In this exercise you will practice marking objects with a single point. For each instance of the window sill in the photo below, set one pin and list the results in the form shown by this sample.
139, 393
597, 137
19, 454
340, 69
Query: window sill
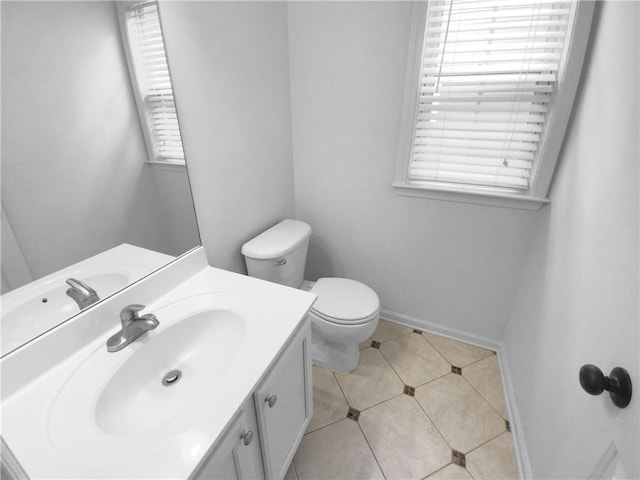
171, 166
468, 194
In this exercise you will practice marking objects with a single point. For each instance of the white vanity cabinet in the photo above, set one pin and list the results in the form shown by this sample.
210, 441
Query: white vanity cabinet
265, 433
284, 404
238, 454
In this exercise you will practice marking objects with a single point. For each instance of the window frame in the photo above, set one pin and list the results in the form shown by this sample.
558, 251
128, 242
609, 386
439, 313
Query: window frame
550, 147
121, 7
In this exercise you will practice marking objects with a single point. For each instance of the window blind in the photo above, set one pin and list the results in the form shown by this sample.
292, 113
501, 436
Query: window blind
488, 76
154, 83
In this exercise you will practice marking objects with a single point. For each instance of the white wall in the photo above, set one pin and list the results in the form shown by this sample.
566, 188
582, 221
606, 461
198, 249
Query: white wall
578, 301
74, 182
230, 72
453, 264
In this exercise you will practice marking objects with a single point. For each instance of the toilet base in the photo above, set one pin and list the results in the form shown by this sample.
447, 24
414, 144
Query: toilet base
339, 357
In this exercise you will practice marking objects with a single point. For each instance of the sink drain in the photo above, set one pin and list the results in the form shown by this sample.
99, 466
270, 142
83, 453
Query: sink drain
171, 378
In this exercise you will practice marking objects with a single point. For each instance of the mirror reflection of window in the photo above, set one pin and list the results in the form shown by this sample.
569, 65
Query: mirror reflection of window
152, 82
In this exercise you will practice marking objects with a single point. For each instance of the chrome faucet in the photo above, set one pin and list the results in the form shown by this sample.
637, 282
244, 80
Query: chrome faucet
81, 293
132, 327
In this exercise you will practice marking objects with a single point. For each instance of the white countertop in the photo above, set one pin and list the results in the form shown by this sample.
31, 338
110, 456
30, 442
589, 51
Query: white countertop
84, 450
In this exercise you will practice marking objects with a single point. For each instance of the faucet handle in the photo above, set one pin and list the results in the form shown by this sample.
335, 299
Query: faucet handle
130, 313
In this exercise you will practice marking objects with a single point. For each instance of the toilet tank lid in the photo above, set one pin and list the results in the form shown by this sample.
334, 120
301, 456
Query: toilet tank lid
278, 240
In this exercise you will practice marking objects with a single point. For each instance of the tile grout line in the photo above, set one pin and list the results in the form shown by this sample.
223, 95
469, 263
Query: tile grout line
335, 379
429, 343
447, 465
393, 338
487, 441
491, 352
486, 400
445, 439
398, 375
380, 402
439, 470
358, 423
434, 423
371, 450
341, 390
480, 359
324, 426
436, 349
391, 366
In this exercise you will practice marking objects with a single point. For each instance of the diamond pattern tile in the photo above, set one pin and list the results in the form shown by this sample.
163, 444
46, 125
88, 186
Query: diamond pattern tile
329, 404
336, 451
403, 439
414, 359
388, 331
394, 435
484, 376
463, 417
451, 472
457, 353
494, 460
373, 381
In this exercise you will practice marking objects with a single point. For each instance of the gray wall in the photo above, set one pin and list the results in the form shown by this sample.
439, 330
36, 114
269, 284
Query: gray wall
578, 302
229, 65
453, 264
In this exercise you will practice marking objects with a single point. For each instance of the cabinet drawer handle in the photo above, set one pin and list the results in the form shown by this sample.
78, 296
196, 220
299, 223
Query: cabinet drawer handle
271, 400
247, 437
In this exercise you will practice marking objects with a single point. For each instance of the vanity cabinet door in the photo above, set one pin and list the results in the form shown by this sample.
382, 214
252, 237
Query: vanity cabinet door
284, 404
238, 455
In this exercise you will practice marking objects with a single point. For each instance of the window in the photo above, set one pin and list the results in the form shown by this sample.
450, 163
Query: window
491, 98
150, 75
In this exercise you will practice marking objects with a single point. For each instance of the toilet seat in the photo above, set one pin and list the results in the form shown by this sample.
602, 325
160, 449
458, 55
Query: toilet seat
344, 302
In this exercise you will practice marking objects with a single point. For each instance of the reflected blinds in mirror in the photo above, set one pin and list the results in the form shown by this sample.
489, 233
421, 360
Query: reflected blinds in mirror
488, 76
154, 83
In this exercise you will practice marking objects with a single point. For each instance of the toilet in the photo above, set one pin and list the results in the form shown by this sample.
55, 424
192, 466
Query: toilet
345, 313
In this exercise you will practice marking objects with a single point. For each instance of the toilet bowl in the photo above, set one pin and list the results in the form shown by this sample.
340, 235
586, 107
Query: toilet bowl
345, 314
346, 311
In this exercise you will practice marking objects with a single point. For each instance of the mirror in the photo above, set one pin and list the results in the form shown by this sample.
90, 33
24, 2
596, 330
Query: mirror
79, 199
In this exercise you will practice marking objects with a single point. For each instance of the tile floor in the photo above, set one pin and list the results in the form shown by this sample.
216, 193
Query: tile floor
417, 406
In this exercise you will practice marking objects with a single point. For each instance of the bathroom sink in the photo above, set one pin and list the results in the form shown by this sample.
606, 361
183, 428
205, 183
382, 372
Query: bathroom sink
28, 313
192, 354
121, 397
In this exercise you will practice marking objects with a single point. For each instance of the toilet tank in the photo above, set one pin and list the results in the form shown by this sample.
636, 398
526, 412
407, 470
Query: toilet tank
280, 253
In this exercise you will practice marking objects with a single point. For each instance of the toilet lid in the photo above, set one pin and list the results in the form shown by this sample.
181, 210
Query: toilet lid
341, 300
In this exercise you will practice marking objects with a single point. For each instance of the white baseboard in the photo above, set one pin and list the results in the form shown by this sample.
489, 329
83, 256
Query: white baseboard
519, 444
438, 329
522, 458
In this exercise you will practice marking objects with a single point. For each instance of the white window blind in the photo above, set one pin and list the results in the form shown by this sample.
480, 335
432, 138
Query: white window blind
154, 83
488, 76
